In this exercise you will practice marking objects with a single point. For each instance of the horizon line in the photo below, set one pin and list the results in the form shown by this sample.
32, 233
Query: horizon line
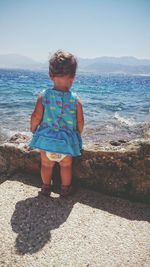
96, 57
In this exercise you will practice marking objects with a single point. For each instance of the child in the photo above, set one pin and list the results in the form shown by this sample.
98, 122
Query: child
57, 122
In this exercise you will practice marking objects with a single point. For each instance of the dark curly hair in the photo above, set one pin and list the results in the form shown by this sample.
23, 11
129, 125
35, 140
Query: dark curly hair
62, 63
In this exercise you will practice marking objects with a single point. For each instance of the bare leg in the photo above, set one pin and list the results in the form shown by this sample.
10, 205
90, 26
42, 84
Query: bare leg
66, 171
46, 168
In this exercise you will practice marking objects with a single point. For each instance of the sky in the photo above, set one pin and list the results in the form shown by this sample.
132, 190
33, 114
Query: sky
87, 28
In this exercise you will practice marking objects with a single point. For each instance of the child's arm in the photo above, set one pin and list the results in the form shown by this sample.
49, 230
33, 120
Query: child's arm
80, 117
37, 115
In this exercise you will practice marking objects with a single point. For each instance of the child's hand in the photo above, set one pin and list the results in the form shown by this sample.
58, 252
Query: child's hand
37, 115
80, 117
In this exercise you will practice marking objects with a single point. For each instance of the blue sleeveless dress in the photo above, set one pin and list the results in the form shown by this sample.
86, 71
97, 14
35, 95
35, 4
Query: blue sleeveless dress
58, 130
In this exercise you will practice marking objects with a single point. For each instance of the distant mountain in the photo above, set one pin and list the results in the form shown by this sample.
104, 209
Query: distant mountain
18, 62
126, 65
129, 61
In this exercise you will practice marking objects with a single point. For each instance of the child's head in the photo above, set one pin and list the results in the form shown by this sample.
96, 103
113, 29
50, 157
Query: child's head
61, 64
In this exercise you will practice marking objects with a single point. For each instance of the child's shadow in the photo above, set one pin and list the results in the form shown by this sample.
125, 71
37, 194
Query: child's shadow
34, 218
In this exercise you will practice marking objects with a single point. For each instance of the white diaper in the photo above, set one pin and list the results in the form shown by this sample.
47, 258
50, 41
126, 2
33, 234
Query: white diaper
55, 156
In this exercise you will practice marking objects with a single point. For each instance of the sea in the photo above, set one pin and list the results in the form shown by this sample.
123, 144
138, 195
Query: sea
116, 107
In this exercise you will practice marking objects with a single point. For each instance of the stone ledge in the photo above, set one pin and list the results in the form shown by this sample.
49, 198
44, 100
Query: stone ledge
123, 171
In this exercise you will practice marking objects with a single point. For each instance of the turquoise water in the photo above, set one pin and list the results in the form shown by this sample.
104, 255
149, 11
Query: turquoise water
115, 106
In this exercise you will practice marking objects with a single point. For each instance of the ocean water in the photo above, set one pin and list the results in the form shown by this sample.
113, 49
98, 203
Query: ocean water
115, 106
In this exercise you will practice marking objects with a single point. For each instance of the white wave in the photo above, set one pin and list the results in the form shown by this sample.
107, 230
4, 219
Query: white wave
125, 121
23, 77
6, 134
147, 130
109, 128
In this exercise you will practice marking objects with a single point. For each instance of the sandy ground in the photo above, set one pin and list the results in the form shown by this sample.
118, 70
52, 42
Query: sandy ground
87, 229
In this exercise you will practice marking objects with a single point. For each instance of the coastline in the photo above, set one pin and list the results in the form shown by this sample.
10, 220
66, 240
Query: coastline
118, 169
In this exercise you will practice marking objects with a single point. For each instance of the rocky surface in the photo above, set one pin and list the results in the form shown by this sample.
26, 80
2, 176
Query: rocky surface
88, 229
119, 169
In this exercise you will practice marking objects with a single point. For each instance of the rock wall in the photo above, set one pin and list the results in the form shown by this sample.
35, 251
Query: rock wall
121, 171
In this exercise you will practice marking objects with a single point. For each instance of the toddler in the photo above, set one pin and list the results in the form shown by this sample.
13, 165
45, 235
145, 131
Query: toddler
57, 123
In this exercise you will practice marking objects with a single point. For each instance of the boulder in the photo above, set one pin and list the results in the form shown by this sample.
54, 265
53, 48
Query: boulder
122, 170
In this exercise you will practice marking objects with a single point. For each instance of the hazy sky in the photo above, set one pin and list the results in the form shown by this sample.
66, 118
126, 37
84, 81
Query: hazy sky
88, 28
